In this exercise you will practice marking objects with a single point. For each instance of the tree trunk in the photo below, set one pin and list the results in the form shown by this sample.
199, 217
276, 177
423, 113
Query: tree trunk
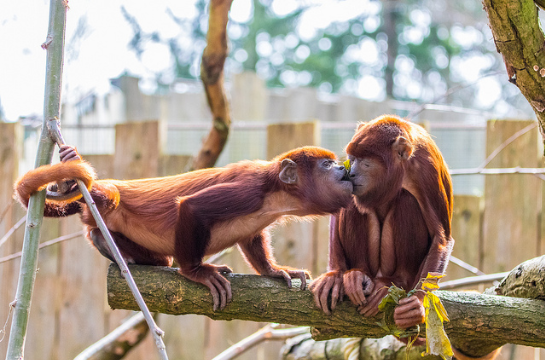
391, 16
518, 37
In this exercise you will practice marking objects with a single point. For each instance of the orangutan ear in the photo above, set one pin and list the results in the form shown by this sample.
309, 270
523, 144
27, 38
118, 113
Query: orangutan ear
403, 148
288, 171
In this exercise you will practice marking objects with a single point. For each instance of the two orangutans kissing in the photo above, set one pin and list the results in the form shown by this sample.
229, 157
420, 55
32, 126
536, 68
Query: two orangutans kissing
390, 215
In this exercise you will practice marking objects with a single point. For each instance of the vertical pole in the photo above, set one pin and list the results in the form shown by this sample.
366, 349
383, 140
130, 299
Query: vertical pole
54, 45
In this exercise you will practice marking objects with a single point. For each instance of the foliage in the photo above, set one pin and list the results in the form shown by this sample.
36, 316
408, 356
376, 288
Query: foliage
431, 52
437, 342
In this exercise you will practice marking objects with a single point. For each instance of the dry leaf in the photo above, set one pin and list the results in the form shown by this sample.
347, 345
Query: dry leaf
437, 342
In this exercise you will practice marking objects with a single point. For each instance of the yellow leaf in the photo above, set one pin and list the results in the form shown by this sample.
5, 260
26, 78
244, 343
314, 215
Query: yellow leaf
431, 282
346, 164
437, 342
440, 308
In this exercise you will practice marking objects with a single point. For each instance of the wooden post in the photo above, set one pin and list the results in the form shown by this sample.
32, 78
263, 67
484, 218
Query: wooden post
293, 242
466, 231
512, 202
137, 150
10, 213
512, 206
249, 103
249, 97
287, 136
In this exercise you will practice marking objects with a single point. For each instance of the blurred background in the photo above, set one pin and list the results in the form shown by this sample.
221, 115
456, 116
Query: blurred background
298, 72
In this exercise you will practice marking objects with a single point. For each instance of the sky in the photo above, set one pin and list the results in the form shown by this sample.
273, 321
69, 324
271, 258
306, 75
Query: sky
103, 53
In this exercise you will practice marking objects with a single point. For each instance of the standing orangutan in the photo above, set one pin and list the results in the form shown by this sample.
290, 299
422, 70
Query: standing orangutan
397, 229
191, 215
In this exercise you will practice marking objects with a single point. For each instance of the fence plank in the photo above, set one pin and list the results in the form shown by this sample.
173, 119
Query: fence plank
512, 207
511, 201
137, 150
43, 337
173, 164
293, 242
10, 150
466, 231
249, 97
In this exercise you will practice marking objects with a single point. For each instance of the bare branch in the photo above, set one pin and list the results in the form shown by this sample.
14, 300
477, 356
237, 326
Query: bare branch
473, 280
499, 171
12, 230
264, 334
45, 244
466, 266
505, 143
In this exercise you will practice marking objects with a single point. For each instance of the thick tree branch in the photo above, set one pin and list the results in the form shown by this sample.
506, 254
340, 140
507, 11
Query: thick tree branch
479, 323
119, 342
525, 281
518, 37
304, 347
213, 59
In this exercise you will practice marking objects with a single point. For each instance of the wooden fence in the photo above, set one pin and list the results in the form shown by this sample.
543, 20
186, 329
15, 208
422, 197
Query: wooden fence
69, 311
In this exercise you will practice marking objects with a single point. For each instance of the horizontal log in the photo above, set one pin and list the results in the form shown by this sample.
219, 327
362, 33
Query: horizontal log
478, 323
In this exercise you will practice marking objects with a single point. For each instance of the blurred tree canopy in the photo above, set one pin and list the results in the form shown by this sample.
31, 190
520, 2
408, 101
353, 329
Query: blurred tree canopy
406, 50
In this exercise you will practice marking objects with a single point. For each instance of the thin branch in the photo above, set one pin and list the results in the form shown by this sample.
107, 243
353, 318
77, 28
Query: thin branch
212, 259
264, 334
12, 230
450, 92
473, 280
5, 211
459, 110
499, 171
507, 142
3, 331
45, 244
466, 266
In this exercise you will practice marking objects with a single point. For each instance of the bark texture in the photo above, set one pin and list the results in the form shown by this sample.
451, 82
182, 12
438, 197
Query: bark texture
304, 347
518, 37
119, 342
525, 281
213, 59
479, 323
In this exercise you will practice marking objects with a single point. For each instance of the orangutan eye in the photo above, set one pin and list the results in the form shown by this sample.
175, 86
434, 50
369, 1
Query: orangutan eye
328, 164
